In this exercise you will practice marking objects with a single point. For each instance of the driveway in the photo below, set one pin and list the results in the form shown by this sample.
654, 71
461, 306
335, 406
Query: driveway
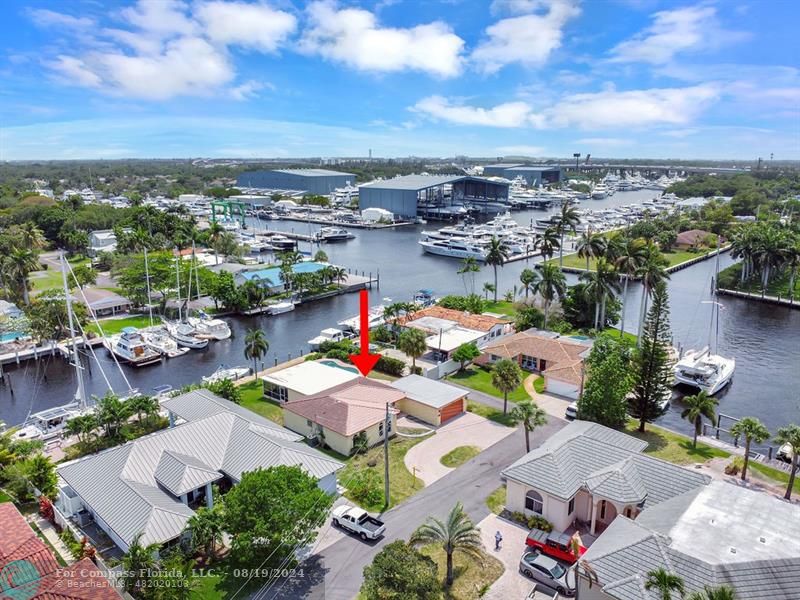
550, 403
512, 583
467, 429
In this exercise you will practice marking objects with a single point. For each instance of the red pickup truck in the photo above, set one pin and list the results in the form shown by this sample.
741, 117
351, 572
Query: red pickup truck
556, 544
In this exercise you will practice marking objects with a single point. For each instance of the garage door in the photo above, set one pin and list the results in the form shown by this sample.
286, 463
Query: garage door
451, 410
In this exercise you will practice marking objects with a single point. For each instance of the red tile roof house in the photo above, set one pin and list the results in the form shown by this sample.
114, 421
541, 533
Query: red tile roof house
692, 238
558, 359
29, 571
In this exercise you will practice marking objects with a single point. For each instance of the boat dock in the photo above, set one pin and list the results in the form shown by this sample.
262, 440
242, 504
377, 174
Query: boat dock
47, 349
776, 300
350, 224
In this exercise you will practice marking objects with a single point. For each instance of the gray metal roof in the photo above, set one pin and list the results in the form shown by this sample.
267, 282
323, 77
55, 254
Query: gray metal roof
135, 487
522, 168
692, 535
312, 172
428, 391
415, 183
607, 462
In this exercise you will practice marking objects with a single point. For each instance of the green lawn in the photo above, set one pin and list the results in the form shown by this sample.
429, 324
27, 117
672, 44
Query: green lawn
4, 497
672, 447
402, 483
775, 475
112, 326
779, 286
480, 379
458, 456
487, 412
253, 399
496, 501
502, 307
51, 277
674, 258
222, 583
472, 576
539, 384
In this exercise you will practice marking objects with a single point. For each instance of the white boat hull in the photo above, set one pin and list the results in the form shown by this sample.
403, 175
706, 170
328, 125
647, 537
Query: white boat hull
451, 252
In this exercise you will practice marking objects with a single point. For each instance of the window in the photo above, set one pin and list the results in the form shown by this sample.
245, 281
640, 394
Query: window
380, 429
528, 362
495, 358
276, 392
309, 423
571, 507
602, 509
389, 426
533, 502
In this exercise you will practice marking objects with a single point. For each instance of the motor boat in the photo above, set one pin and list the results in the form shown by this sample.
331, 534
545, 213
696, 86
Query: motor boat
280, 307
334, 234
705, 371
183, 333
375, 318
454, 249
281, 242
206, 327
599, 191
47, 424
130, 347
230, 373
330, 334
159, 340
424, 298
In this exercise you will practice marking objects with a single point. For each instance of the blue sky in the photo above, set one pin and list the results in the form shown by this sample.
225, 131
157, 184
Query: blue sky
625, 78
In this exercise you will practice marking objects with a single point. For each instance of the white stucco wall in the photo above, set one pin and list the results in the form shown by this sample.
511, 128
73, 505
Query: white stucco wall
554, 509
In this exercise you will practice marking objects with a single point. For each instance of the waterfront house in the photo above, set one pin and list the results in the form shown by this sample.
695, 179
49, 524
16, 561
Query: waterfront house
590, 473
713, 535
104, 303
558, 359
694, 238
153, 485
103, 240
30, 571
270, 278
305, 379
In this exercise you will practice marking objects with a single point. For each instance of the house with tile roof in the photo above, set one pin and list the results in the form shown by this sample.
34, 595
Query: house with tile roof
29, 571
153, 484
592, 473
557, 358
694, 238
712, 535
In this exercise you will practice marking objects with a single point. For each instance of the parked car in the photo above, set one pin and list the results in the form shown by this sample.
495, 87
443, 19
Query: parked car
553, 543
358, 521
572, 411
549, 572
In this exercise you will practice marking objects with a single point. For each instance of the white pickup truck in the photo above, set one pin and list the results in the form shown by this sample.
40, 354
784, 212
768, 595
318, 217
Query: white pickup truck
358, 521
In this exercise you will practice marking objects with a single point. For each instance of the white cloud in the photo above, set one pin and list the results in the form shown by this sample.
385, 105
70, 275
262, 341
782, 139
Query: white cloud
604, 110
251, 25
354, 37
528, 39
604, 142
247, 90
74, 70
165, 18
508, 114
49, 18
520, 150
673, 32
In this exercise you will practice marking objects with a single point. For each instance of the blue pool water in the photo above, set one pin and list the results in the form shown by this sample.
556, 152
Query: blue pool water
11, 336
333, 363
580, 338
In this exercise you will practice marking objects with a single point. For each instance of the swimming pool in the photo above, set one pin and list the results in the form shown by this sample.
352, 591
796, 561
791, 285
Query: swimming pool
333, 363
580, 338
11, 336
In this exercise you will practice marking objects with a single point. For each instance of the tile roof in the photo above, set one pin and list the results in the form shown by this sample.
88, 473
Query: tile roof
129, 486
463, 318
348, 408
29, 570
606, 462
691, 237
428, 391
690, 535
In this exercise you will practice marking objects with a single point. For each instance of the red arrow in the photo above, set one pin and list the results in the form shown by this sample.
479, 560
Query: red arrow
364, 361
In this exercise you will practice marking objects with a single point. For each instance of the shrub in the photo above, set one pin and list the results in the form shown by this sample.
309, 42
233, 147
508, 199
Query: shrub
360, 443
735, 466
534, 522
390, 366
338, 354
366, 488
225, 388
381, 334
46, 509
417, 370
314, 356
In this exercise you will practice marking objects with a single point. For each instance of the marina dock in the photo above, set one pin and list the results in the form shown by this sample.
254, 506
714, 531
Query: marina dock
352, 225
787, 302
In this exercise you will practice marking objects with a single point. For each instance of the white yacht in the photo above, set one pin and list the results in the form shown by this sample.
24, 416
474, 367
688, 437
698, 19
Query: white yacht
705, 371
183, 333
599, 191
280, 307
326, 335
159, 340
230, 373
47, 424
334, 234
454, 249
375, 318
209, 328
130, 347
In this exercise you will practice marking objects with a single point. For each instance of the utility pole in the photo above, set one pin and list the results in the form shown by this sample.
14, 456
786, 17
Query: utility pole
386, 457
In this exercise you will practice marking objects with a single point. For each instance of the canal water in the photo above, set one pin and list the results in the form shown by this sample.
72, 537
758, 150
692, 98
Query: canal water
764, 339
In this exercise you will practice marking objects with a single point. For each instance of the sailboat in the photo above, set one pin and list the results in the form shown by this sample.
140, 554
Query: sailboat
205, 326
181, 331
701, 368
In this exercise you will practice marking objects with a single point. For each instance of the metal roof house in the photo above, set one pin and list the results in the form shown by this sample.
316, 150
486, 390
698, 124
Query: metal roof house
714, 535
534, 175
150, 485
431, 195
313, 181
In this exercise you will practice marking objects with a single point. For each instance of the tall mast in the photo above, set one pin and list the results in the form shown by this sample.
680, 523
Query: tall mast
178, 279
196, 272
75, 358
147, 280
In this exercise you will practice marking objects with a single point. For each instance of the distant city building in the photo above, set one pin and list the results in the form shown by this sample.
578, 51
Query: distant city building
534, 175
313, 181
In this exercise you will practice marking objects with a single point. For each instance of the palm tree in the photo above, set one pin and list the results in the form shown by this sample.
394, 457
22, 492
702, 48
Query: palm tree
591, 245
82, 427
723, 592
111, 413
530, 416
31, 236
600, 283
664, 583
488, 288
652, 272
628, 262
790, 435
142, 405
255, 346
567, 220
137, 565
214, 232
207, 529
506, 377
698, 406
412, 343
528, 278
548, 243
20, 263
552, 284
496, 256
457, 534
752, 430
469, 266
